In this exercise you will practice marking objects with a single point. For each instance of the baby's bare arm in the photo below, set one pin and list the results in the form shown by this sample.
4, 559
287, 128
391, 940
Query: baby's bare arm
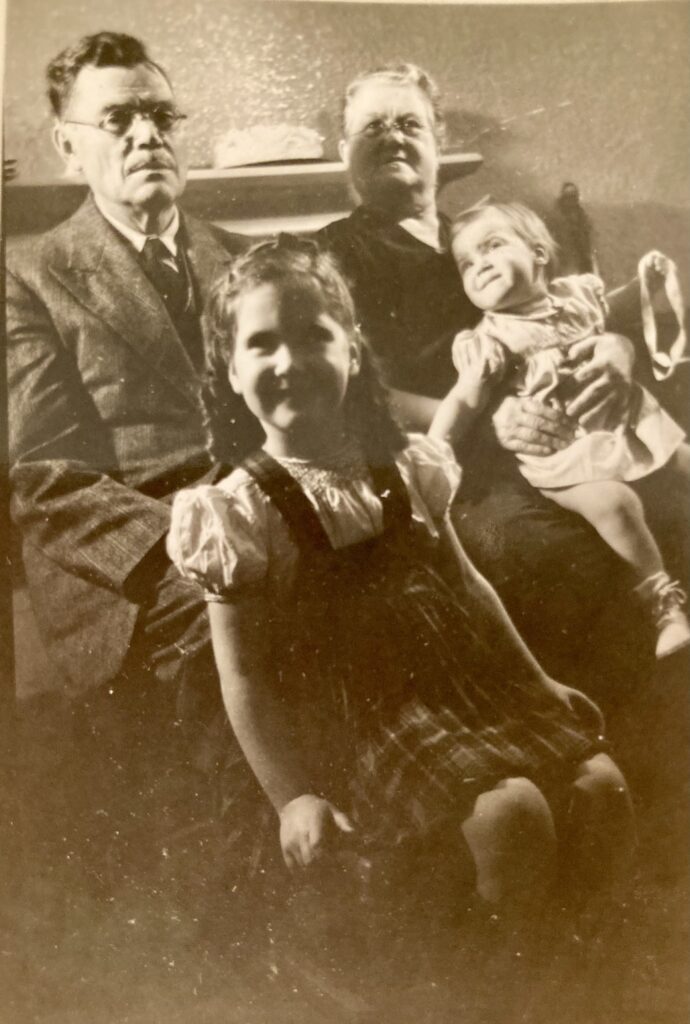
480, 364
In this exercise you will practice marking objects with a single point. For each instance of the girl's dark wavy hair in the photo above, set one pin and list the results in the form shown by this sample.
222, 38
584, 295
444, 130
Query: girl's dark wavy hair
232, 430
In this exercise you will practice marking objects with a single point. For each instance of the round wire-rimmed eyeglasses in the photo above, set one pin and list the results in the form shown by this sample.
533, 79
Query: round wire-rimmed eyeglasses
119, 120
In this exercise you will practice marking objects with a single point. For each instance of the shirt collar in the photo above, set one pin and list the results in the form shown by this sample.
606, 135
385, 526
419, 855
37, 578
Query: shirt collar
138, 238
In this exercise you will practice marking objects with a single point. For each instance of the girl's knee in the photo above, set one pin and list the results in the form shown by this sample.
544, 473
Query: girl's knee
512, 839
521, 802
601, 780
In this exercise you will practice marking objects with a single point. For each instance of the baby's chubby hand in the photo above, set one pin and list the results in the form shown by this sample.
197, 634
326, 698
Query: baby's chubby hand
478, 361
307, 824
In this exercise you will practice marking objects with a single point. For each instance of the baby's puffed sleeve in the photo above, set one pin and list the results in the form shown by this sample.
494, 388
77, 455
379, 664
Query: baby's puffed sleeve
432, 475
595, 288
587, 290
218, 539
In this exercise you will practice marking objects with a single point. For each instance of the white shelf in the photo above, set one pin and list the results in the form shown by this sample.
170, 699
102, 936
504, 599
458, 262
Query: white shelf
316, 173
308, 173
256, 200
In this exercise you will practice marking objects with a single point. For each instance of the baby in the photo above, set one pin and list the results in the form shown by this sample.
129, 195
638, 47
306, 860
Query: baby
524, 340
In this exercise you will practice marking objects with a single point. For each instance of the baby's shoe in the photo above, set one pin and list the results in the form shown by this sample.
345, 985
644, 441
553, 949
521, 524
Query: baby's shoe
665, 601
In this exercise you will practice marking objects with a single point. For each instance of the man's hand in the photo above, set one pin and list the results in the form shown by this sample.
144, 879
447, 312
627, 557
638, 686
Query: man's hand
606, 369
306, 824
529, 427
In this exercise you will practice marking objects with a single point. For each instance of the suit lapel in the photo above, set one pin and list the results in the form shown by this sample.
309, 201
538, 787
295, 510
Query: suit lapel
102, 272
205, 254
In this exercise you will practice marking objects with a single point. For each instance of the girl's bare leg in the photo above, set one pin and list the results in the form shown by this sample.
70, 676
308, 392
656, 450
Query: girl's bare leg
512, 840
617, 514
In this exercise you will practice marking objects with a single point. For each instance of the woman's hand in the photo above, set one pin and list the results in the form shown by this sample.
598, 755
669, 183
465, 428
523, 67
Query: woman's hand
577, 702
528, 427
606, 369
306, 825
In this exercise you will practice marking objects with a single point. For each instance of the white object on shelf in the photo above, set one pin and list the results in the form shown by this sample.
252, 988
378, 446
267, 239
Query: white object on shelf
265, 143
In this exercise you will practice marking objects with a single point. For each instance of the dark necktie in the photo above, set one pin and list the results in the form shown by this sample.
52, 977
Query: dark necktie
171, 279
168, 277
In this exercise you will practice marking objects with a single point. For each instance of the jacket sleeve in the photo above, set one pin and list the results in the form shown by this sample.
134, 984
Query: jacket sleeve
65, 504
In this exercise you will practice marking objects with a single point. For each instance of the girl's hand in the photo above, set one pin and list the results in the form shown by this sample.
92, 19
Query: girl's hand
478, 362
577, 702
306, 824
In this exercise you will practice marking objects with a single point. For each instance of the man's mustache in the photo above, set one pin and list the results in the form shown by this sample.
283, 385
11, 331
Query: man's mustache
152, 163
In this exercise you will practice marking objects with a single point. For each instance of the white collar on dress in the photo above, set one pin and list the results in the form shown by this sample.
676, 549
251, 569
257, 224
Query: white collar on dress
551, 306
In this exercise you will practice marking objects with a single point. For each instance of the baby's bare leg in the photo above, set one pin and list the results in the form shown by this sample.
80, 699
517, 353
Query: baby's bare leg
679, 463
617, 514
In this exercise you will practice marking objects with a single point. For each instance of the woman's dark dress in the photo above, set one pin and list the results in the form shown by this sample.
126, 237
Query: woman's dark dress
408, 296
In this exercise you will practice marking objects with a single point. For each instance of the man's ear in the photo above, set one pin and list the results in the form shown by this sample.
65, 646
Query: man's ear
63, 145
343, 152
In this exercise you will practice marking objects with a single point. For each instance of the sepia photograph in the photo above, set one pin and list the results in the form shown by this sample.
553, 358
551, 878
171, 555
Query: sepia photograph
345, 512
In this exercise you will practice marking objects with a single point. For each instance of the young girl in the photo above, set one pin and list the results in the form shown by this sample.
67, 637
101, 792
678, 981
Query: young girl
523, 341
375, 684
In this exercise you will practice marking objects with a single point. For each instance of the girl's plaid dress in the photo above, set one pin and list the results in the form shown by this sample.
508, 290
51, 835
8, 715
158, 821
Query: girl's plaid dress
409, 703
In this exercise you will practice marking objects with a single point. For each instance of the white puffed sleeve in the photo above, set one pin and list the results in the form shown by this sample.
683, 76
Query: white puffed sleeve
432, 477
587, 290
218, 538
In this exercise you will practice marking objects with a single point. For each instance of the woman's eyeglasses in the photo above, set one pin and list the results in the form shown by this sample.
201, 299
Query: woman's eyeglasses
410, 127
165, 119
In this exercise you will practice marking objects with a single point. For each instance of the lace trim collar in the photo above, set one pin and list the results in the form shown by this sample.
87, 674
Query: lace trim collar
343, 466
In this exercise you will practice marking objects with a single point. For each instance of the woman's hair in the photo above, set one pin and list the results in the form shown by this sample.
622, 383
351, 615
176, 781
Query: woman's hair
402, 73
524, 222
287, 262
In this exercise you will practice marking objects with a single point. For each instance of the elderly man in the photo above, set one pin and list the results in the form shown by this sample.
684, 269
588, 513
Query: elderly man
105, 353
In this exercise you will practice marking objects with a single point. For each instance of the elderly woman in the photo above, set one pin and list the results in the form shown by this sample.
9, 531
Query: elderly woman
394, 248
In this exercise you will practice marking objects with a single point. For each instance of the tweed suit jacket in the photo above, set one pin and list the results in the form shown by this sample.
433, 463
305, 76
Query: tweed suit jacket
105, 424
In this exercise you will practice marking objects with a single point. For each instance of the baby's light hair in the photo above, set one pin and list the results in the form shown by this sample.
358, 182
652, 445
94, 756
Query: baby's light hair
401, 73
286, 262
526, 224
